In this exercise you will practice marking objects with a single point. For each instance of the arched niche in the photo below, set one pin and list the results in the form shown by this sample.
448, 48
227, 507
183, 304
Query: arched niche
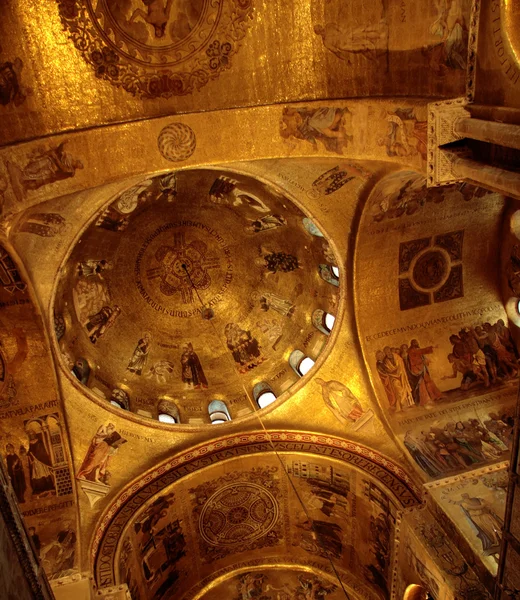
364, 483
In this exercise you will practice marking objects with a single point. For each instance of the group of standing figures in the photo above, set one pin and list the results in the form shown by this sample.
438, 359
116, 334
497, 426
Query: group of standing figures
405, 376
482, 355
455, 446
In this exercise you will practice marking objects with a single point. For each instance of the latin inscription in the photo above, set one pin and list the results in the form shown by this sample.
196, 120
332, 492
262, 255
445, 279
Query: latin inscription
47, 509
509, 68
29, 409
438, 321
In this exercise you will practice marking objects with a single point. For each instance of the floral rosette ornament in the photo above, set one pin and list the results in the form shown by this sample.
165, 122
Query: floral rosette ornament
157, 48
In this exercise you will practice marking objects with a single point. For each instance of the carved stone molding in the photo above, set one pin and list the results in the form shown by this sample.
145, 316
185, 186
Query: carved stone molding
442, 117
94, 491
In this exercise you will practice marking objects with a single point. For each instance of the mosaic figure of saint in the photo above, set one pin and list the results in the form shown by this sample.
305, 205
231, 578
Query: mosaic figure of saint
91, 267
406, 135
450, 25
328, 253
392, 372
371, 40
191, 370
98, 324
265, 223
487, 523
424, 390
45, 166
138, 360
16, 473
129, 199
35, 540
324, 124
103, 446
340, 400
227, 191
90, 296
269, 300
251, 585
244, 347
321, 538
40, 465
146, 526
43, 224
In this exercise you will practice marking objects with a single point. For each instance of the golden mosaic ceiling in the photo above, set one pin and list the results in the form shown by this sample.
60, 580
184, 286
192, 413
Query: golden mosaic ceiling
194, 287
160, 263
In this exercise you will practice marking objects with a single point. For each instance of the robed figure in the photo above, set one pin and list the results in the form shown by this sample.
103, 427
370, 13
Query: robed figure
40, 465
244, 347
103, 445
341, 401
98, 324
424, 390
393, 375
192, 373
487, 523
45, 166
16, 474
138, 360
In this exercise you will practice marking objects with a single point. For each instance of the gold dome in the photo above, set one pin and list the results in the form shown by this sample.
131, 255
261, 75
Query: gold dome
164, 303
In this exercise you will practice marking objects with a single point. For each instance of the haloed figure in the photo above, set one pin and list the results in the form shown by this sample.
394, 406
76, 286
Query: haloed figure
138, 360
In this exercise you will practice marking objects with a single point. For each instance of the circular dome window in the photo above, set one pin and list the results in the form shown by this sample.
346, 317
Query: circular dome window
191, 284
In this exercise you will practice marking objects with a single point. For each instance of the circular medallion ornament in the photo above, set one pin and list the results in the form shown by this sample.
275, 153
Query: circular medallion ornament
430, 270
238, 513
176, 142
157, 48
181, 263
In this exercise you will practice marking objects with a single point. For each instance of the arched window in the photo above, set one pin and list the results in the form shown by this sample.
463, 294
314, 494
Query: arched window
300, 363
416, 592
263, 394
168, 412
329, 321
120, 399
323, 321
218, 412
166, 418
513, 310
330, 274
311, 227
81, 370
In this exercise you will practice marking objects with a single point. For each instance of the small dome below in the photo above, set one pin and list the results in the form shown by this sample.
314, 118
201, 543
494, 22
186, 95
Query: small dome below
190, 288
